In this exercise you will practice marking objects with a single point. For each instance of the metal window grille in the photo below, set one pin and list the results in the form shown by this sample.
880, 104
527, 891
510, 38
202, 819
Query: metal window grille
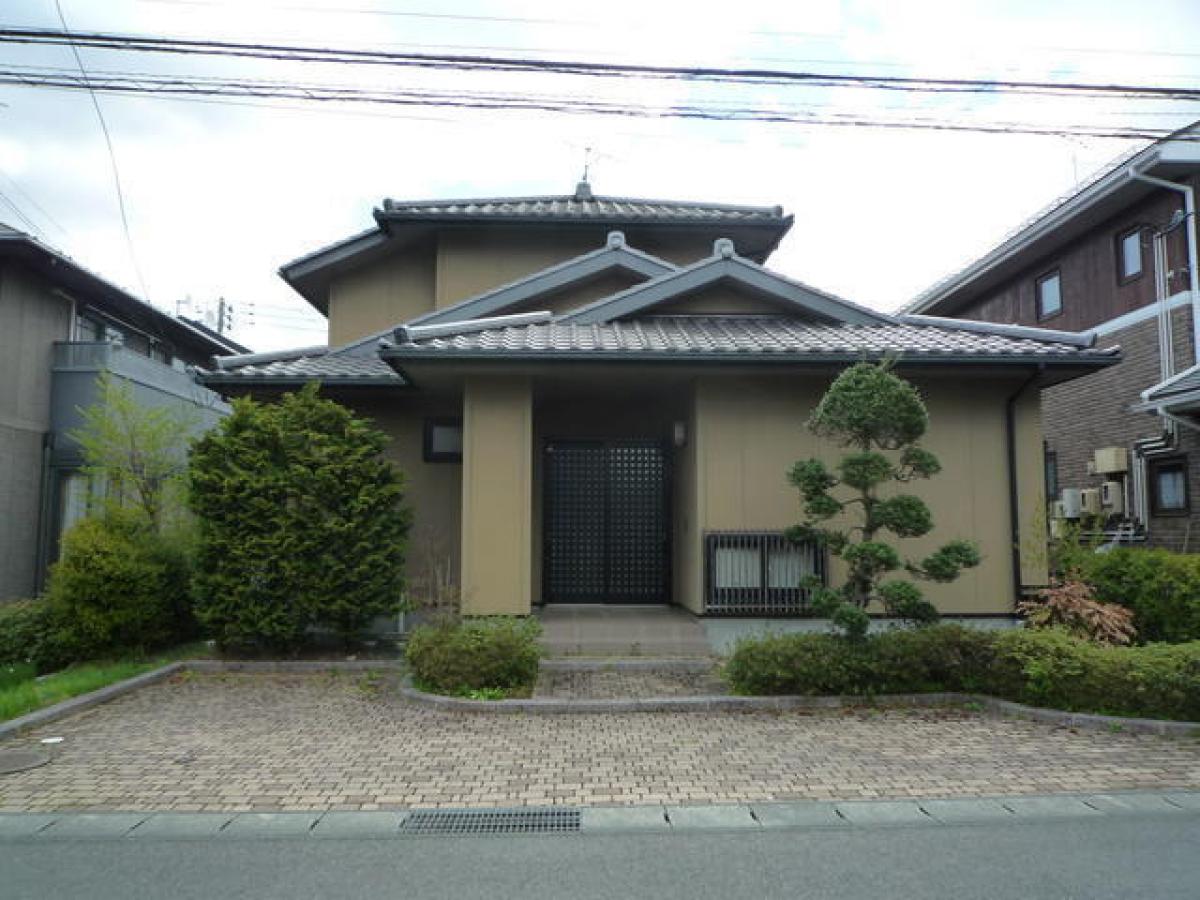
760, 573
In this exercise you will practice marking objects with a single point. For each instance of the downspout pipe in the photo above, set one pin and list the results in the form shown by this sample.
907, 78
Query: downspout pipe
1189, 209
1014, 514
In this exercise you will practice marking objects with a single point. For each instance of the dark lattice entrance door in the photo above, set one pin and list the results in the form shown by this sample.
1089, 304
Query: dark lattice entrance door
606, 524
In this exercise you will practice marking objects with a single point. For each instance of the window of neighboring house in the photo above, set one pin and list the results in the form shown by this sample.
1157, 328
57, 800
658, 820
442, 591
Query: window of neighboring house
1169, 487
443, 440
1051, 459
1049, 295
158, 353
75, 494
88, 329
1129, 254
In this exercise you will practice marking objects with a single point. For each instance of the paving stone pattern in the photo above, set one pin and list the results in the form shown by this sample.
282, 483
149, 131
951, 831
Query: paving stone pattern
255, 742
619, 683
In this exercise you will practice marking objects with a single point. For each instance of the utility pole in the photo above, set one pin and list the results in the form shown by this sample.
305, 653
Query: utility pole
224, 316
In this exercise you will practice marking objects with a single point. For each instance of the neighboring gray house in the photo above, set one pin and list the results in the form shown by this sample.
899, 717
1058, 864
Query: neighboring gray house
60, 327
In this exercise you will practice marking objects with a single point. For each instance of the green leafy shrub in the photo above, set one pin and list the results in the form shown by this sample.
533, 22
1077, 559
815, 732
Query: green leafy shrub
120, 585
1162, 588
477, 655
942, 658
1052, 668
300, 523
1045, 667
32, 633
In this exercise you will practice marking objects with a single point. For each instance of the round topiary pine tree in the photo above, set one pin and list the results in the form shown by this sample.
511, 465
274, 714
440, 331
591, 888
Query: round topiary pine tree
880, 418
301, 523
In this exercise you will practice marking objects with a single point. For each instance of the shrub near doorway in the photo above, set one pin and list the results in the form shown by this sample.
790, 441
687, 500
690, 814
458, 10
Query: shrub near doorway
487, 659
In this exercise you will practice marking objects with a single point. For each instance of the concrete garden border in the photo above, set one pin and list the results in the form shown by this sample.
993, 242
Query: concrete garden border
993, 705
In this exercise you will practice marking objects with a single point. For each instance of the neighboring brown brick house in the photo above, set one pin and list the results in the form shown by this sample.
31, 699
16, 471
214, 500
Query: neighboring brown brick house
1088, 264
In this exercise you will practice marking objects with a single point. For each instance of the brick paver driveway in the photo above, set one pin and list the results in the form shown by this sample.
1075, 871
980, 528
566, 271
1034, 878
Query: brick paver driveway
241, 742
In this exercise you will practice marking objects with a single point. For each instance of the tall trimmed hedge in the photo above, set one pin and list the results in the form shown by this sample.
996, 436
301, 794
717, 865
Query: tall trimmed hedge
1162, 588
301, 523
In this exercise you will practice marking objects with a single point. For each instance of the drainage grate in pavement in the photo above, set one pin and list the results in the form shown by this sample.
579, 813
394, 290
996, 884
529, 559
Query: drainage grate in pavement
555, 820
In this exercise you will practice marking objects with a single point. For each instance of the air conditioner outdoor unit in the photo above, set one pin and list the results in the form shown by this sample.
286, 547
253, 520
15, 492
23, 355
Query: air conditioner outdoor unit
1112, 495
1090, 501
1109, 460
1057, 528
1072, 503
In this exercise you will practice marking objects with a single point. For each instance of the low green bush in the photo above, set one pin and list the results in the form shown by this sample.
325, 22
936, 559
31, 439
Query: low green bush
120, 585
1160, 587
33, 633
475, 655
1047, 667
942, 658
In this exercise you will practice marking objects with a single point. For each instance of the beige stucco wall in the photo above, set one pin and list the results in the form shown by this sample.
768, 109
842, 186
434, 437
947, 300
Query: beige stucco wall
749, 431
497, 496
433, 490
32, 318
381, 294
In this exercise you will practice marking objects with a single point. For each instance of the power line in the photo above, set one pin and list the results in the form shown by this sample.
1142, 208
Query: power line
301, 53
244, 88
112, 156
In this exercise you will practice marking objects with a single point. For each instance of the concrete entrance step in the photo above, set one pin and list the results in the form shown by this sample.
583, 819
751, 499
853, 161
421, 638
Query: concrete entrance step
622, 631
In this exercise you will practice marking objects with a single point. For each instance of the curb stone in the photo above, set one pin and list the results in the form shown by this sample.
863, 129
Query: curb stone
809, 815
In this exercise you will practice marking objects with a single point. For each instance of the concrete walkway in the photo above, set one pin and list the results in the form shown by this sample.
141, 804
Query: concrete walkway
344, 741
627, 631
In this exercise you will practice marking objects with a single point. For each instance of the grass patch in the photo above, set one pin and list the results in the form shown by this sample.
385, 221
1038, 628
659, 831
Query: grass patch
21, 693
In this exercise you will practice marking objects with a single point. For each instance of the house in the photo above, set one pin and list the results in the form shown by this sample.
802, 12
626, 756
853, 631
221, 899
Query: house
61, 325
597, 400
1115, 259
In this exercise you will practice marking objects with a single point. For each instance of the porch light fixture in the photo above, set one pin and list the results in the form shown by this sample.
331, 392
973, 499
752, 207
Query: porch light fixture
679, 433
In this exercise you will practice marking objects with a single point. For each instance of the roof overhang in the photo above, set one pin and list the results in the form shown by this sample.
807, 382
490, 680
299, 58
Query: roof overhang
89, 289
1094, 204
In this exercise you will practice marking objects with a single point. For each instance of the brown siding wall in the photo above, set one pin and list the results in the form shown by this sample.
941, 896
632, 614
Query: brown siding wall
1091, 291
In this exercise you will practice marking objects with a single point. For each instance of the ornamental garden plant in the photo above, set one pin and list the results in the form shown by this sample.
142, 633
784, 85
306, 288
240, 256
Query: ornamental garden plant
301, 523
879, 418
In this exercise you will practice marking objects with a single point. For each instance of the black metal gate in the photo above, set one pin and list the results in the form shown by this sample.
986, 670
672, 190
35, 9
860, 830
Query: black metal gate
606, 522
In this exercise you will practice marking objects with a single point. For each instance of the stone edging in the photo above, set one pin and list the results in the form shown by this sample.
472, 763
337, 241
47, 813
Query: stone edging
552, 706
600, 664
721, 702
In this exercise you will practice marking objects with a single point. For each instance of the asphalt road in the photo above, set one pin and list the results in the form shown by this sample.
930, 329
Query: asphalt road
1125, 857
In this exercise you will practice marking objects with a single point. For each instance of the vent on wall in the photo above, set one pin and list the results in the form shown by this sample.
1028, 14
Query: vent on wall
759, 573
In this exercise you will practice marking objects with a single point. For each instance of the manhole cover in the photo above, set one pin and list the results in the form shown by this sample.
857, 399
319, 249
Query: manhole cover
20, 760
491, 821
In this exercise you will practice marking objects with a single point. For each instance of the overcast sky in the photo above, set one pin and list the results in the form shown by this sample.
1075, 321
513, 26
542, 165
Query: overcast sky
220, 195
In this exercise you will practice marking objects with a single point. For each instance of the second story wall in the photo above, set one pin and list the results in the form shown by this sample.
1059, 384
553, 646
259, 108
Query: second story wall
461, 263
32, 318
1092, 287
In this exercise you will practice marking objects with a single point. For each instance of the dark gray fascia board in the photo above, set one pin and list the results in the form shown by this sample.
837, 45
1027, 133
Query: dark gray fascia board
332, 254
219, 379
718, 268
400, 355
549, 281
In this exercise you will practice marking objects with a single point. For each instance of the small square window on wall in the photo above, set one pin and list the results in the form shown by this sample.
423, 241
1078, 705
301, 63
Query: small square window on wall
443, 440
1129, 254
1049, 295
1169, 487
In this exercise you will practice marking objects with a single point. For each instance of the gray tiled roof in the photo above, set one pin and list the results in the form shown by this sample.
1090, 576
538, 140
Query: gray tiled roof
574, 206
326, 368
742, 336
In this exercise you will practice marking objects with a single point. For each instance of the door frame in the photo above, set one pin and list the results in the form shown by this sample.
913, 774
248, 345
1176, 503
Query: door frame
668, 495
